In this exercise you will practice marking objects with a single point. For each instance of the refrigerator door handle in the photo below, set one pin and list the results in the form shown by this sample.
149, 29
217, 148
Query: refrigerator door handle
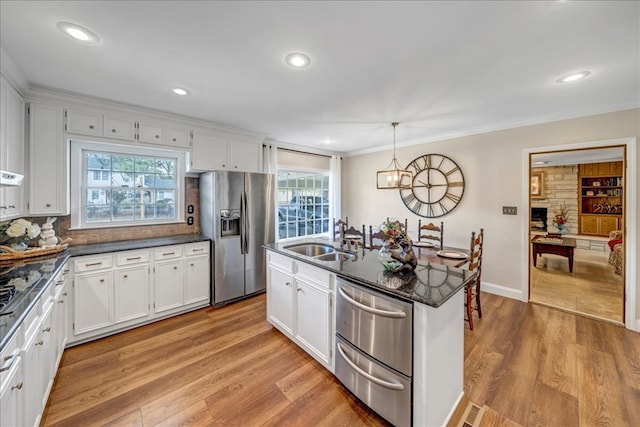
247, 225
243, 215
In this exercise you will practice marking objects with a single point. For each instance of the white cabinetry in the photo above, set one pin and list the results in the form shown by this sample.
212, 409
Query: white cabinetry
168, 278
300, 304
218, 151
120, 127
116, 291
11, 383
83, 122
60, 313
131, 285
197, 273
12, 155
49, 181
93, 294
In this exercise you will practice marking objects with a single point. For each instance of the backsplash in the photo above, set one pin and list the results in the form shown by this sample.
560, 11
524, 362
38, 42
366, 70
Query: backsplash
115, 234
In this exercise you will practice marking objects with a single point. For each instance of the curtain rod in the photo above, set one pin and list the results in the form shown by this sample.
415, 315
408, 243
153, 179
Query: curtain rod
303, 152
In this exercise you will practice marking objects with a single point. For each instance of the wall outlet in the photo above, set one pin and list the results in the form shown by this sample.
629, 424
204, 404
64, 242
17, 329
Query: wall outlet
189, 220
509, 210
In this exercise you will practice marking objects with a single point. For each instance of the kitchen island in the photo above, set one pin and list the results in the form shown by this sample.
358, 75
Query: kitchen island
301, 289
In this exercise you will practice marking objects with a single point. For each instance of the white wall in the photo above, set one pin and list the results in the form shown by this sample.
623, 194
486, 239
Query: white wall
493, 169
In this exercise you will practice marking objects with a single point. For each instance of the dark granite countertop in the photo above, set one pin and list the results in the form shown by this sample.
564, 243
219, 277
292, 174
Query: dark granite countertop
431, 283
31, 278
127, 245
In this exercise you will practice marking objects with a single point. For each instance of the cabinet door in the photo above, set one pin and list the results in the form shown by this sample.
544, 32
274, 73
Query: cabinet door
208, 152
150, 132
280, 299
83, 122
11, 391
131, 293
244, 156
49, 182
12, 155
313, 319
197, 284
178, 136
93, 301
59, 320
31, 371
119, 127
589, 224
168, 285
46, 357
607, 224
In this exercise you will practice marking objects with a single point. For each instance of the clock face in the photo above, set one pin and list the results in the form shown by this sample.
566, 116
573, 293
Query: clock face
438, 186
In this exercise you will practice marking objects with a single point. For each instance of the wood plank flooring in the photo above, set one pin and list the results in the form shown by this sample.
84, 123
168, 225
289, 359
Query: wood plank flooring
528, 364
592, 289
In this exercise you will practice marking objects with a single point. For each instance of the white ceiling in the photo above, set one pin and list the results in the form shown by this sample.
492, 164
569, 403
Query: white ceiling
441, 69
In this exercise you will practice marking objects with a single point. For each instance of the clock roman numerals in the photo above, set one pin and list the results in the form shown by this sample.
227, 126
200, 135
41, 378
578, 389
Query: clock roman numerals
438, 186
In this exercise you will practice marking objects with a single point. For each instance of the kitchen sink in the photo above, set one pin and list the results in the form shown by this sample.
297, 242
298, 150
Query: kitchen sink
311, 249
335, 256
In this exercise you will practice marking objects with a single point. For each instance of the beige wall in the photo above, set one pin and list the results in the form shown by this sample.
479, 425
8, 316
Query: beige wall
492, 164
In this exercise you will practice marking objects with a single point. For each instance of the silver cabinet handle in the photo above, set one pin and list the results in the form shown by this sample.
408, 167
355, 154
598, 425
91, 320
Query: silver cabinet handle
17, 386
376, 311
133, 258
47, 329
91, 264
157, 136
168, 253
39, 342
288, 283
61, 302
8, 362
174, 140
48, 205
197, 250
91, 126
382, 383
101, 280
175, 267
113, 130
126, 276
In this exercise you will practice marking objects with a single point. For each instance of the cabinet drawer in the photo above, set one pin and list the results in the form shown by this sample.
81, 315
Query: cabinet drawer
8, 357
283, 262
199, 248
168, 252
132, 257
93, 263
315, 275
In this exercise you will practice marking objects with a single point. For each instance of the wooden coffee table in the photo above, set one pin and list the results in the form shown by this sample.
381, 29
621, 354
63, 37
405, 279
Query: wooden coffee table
556, 246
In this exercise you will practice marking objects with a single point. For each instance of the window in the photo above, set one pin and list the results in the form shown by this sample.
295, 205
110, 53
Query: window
116, 186
303, 203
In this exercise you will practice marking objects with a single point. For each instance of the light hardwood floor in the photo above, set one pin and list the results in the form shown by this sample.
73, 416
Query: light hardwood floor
592, 289
531, 365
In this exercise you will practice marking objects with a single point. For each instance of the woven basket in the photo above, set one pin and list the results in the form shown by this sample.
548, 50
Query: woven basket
6, 253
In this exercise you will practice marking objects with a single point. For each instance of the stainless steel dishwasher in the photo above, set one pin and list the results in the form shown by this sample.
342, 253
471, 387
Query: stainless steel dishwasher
374, 349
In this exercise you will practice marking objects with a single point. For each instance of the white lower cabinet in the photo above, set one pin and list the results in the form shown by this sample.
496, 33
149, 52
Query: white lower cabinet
117, 291
12, 390
300, 304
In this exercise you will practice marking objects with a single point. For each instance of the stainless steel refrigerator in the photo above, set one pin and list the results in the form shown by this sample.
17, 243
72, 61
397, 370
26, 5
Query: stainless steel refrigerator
237, 213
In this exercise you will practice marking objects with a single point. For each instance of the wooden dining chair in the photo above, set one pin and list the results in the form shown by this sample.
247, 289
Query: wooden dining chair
472, 289
377, 239
337, 227
352, 237
431, 232
401, 224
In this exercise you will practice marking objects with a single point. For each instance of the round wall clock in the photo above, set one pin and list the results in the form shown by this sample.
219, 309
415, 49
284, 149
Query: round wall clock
438, 186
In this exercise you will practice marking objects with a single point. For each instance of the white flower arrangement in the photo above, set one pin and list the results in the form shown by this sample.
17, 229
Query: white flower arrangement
19, 230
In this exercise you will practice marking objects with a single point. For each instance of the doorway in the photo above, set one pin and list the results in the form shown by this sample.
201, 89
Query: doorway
576, 207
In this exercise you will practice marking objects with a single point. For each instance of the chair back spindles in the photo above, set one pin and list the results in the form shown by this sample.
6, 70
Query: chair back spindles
473, 288
431, 232
378, 236
352, 237
337, 227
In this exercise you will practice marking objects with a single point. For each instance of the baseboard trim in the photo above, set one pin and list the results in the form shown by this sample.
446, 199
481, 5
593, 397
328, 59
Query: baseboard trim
502, 291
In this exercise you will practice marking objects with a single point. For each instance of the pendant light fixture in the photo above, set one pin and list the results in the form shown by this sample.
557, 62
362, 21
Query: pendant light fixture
394, 177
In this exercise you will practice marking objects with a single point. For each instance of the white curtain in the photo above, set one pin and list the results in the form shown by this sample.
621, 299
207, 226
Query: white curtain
335, 185
269, 158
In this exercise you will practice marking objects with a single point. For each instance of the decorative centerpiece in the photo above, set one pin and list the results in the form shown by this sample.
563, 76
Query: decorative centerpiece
560, 219
396, 255
16, 233
17, 239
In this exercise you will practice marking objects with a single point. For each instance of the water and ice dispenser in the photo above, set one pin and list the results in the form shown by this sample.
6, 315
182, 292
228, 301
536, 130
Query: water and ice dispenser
229, 222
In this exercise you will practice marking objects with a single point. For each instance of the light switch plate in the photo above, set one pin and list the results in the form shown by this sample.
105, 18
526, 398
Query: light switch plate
509, 210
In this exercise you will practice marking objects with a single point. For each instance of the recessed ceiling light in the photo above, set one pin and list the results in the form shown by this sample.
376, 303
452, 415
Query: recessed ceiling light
328, 141
78, 32
297, 60
573, 77
179, 90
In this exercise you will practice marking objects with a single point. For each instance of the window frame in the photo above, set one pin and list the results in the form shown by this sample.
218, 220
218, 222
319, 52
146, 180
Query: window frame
78, 175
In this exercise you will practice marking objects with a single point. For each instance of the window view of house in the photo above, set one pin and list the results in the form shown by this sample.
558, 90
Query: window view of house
128, 188
303, 203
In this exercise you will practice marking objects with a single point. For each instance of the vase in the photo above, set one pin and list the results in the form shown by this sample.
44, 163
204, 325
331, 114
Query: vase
562, 228
385, 258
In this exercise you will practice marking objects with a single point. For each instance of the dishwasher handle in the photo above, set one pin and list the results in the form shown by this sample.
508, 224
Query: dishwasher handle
376, 311
359, 371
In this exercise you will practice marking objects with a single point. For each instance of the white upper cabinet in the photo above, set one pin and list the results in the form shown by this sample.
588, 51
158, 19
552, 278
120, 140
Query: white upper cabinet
83, 122
120, 127
151, 131
178, 136
48, 159
12, 153
219, 151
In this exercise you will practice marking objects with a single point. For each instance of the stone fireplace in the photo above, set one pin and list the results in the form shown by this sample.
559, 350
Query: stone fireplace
538, 219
